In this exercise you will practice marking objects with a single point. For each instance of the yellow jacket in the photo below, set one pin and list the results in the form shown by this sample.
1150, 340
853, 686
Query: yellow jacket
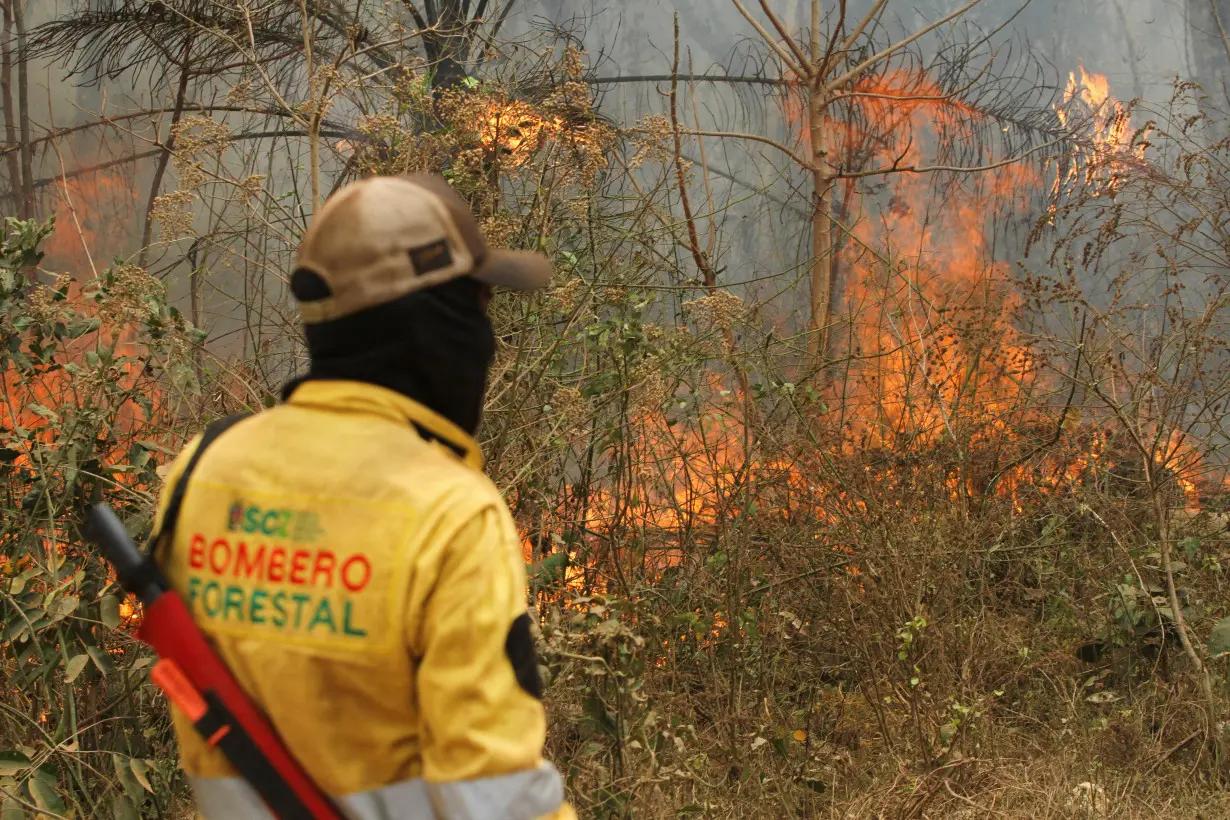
364, 582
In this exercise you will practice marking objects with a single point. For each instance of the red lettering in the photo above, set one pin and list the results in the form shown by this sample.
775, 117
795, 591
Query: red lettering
298, 567
248, 563
196, 553
323, 566
364, 567
277, 565
216, 547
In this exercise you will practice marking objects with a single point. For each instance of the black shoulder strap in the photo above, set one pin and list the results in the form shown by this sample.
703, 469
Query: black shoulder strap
208, 437
427, 435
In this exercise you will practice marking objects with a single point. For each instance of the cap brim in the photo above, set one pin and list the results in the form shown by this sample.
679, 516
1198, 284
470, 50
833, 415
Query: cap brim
518, 270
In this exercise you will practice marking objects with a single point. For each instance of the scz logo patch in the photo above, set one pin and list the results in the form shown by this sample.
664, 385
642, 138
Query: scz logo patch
292, 525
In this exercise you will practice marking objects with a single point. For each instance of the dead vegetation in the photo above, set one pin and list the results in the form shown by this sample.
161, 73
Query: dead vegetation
969, 563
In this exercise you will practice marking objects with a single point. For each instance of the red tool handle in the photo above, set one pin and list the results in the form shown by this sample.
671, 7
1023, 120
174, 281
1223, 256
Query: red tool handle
169, 628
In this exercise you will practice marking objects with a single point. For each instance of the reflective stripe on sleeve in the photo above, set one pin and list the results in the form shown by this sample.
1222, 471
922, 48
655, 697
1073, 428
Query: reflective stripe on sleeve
230, 798
520, 796
219, 797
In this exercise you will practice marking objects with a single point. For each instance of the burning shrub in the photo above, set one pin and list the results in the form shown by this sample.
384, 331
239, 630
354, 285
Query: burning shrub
83, 405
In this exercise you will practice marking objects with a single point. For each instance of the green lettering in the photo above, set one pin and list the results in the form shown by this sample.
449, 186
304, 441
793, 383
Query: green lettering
234, 600
268, 528
279, 608
194, 586
211, 611
299, 599
251, 519
256, 606
324, 615
346, 627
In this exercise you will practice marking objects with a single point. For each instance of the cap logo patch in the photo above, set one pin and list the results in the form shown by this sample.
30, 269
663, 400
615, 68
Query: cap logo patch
427, 258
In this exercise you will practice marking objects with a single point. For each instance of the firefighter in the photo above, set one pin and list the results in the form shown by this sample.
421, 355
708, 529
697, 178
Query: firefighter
356, 570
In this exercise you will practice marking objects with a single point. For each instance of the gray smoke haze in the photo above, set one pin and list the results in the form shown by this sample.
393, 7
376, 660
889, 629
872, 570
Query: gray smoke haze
1141, 46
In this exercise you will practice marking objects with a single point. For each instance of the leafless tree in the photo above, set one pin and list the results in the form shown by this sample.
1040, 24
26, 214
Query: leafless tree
853, 80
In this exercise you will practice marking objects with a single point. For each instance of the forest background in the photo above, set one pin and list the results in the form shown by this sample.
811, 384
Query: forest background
869, 446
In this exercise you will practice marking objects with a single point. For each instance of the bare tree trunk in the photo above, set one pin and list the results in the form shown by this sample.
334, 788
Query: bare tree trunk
194, 306
1210, 46
6, 99
700, 256
821, 224
23, 104
1201, 672
168, 147
316, 105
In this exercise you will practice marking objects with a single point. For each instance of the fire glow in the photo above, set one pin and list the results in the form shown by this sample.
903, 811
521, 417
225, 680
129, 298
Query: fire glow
927, 332
516, 130
1112, 146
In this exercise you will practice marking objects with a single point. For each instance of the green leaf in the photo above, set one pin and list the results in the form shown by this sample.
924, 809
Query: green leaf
11, 810
1219, 639
550, 569
101, 659
599, 717
140, 771
12, 762
109, 611
83, 326
14, 631
19, 583
781, 746
123, 772
68, 605
45, 412
46, 794
74, 666
123, 809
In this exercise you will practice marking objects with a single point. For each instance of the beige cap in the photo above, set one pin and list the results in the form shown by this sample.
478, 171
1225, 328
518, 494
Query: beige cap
384, 237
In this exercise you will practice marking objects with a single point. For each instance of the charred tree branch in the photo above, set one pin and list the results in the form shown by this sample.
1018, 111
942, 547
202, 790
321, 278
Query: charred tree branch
23, 111
753, 138
181, 95
897, 46
704, 78
56, 133
788, 61
6, 99
961, 169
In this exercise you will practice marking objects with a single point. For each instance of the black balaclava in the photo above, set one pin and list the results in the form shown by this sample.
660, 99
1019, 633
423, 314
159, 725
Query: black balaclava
434, 346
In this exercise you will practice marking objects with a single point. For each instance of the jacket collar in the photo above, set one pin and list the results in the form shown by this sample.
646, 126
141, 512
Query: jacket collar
362, 397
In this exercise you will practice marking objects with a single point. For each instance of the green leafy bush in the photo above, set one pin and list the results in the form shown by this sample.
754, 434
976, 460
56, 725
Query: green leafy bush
82, 732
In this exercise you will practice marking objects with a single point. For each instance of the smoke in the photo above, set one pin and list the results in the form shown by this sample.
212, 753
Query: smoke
756, 196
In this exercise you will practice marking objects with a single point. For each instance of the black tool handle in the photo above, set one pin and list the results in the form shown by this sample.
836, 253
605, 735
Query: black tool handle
137, 572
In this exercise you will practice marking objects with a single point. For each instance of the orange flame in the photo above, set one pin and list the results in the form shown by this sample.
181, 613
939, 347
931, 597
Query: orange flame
1111, 147
88, 210
516, 130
